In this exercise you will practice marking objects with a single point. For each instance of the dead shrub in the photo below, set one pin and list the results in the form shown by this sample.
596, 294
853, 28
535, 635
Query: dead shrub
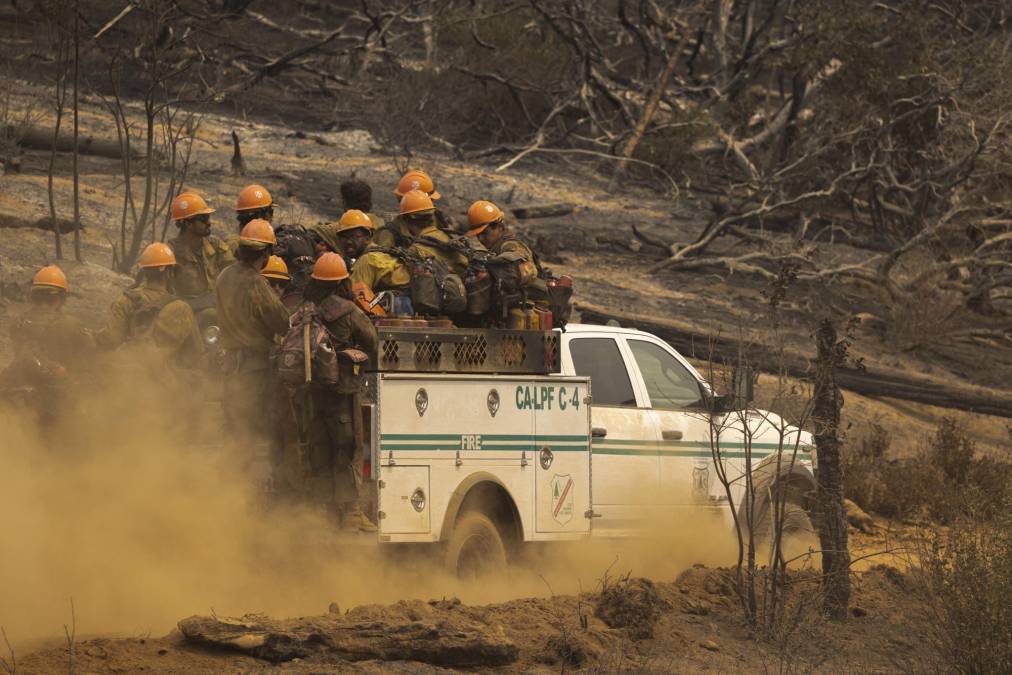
493, 81
863, 459
632, 604
966, 578
944, 481
923, 319
569, 650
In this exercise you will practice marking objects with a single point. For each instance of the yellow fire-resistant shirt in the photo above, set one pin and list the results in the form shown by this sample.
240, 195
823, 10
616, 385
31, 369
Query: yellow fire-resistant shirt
196, 272
380, 271
250, 314
153, 314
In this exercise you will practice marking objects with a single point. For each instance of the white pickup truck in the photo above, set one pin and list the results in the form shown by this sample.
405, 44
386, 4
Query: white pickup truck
612, 445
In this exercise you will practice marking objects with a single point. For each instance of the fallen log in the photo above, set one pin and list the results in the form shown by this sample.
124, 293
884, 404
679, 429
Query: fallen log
871, 381
460, 643
64, 225
541, 211
40, 138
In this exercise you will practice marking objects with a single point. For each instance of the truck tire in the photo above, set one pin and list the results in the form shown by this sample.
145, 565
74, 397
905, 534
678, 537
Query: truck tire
475, 548
797, 523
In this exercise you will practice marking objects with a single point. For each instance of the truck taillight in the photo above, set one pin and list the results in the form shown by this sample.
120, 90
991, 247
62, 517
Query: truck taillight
367, 470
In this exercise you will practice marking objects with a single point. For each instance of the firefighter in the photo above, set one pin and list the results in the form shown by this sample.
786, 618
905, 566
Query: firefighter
44, 332
354, 234
398, 233
289, 478
276, 273
295, 245
200, 255
250, 317
254, 202
428, 240
151, 311
51, 350
335, 424
374, 268
487, 223
356, 195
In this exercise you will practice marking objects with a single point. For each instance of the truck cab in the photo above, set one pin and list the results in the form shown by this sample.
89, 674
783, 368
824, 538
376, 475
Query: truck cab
656, 439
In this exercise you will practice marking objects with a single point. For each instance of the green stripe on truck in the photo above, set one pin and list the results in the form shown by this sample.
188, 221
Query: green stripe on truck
484, 447
492, 437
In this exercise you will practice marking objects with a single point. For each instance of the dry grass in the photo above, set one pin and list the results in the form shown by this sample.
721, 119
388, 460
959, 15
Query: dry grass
945, 480
966, 578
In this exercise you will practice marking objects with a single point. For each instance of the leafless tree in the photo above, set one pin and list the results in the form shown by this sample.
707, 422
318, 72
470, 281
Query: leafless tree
10, 667
58, 23
168, 131
76, 109
759, 459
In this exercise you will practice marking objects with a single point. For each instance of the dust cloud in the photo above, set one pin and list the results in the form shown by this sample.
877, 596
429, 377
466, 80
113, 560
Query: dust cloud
133, 506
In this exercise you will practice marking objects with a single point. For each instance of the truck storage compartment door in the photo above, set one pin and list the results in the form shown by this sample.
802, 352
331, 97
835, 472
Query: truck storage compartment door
404, 500
562, 455
453, 427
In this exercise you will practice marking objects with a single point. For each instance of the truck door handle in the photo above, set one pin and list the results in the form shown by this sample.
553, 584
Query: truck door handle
671, 435
598, 432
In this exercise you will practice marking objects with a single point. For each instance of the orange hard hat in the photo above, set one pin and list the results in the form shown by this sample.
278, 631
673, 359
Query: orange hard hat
480, 215
276, 269
416, 201
189, 204
353, 219
157, 255
330, 267
416, 179
256, 233
50, 276
254, 197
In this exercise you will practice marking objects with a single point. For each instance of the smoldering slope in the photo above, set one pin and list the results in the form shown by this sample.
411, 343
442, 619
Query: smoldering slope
123, 508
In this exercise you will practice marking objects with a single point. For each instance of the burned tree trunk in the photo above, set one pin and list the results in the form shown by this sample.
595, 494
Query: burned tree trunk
238, 164
830, 513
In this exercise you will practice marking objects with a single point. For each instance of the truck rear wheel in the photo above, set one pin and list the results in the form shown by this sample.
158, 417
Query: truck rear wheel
475, 548
797, 532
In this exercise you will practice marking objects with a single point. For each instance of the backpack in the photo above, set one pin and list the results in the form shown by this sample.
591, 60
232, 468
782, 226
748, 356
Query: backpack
456, 295
435, 289
144, 314
307, 354
505, 268
297, 247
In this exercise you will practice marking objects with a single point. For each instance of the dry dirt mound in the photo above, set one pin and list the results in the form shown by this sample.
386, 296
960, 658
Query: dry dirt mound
632, 604
694, 625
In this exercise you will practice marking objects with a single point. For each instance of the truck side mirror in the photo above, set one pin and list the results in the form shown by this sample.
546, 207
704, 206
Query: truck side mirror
743, 385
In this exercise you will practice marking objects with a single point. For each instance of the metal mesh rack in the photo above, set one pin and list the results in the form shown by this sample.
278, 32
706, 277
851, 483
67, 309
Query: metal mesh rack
466, 350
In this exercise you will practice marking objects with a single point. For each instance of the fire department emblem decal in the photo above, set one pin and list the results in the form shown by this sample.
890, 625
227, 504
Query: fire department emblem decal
492, 400
421, 402
562, 498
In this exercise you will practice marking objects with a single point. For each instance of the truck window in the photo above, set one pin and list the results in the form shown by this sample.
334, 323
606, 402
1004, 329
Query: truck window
669, 383
600, 359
